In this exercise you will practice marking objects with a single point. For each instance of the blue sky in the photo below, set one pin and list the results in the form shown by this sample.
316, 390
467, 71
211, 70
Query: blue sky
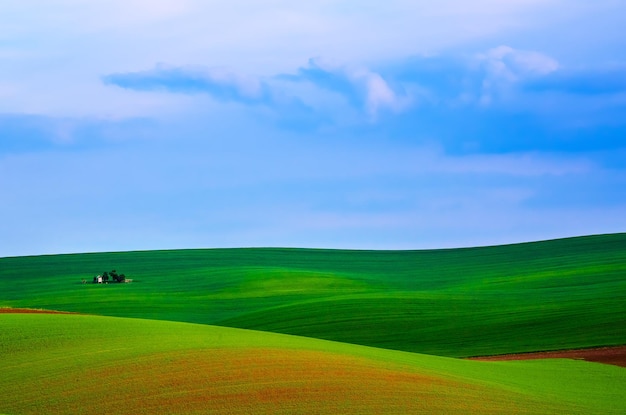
136, 124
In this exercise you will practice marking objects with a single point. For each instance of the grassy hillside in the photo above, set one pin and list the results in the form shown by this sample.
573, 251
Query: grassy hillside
73, 364
459, 302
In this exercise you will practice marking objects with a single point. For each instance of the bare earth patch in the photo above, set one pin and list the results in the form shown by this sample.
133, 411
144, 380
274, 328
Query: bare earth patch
8, 310
609, 355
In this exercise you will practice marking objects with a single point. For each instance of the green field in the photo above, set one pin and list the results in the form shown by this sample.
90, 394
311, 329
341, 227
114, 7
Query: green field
398, 321
549, 295
73, 364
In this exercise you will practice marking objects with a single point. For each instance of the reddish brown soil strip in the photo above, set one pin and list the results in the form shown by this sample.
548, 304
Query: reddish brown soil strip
609, 355
5, 310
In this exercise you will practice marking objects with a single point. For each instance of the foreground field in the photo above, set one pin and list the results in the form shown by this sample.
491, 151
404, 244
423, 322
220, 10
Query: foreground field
73, 364
551, 295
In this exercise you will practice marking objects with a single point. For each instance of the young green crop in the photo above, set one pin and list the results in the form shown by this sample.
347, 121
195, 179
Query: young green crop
68, 364
548, 295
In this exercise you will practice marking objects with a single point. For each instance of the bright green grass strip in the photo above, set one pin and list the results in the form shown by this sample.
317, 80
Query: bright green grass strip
50, 350
458, 302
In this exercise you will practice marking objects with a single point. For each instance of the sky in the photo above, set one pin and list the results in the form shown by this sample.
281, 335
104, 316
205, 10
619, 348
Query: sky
172, 124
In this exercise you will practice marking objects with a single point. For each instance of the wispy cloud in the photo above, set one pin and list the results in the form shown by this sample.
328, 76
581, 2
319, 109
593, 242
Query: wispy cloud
497, 100
468, 79
362, 87
220, 83
515, 64
496, 77
505, 66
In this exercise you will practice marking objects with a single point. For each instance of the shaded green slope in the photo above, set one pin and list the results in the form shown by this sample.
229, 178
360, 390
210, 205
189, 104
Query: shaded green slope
453, 324
70, 364
457, 302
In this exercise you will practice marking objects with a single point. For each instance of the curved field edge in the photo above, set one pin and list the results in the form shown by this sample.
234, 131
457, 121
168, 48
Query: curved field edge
550, 295
608, 355
62, 364
455, 324
11, 310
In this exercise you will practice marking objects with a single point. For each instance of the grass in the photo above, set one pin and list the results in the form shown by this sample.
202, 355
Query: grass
460, 302
73, 364
548, 295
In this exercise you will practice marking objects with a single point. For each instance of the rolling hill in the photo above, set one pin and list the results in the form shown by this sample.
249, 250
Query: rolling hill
548, 295
82, 364
376, 331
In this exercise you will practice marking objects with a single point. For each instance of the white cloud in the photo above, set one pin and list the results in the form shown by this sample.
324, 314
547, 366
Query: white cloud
82, 40
378, 94
248, 86
361, 87
505, 66
514, 64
